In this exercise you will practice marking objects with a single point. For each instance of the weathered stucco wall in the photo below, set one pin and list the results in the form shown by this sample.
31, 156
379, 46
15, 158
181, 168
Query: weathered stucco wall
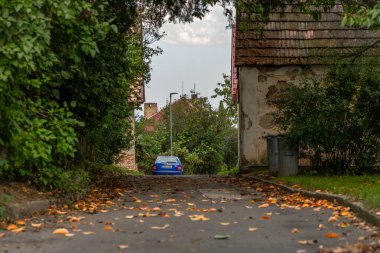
256, 85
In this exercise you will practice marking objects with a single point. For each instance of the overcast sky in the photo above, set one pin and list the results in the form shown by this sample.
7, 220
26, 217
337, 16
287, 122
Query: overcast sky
198, 53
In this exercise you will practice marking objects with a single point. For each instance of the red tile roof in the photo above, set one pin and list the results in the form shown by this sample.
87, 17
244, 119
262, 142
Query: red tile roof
296, 38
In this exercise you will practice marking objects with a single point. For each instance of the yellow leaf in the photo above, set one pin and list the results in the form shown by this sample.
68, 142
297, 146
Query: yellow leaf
122, 246
37, 225
160, 228
18, 230
307, 242
61, 231
224, 223
69, 235
343, 224
252, 229
129, 216
88, 232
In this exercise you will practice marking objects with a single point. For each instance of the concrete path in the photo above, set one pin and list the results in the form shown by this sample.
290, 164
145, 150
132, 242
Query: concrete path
193, 214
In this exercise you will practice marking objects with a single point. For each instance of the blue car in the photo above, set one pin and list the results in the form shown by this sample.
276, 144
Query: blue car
167, 165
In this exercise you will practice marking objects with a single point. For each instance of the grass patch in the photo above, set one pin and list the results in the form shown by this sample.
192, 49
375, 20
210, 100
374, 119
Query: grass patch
363, 188
229, 171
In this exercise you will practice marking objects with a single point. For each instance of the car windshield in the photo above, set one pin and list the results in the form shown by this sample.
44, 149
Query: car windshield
166, 159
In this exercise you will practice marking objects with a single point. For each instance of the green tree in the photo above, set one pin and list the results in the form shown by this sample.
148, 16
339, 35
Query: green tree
224, 90
204, 139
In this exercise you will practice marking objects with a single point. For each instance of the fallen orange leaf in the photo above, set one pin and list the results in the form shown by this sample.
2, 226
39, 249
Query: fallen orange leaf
265, 205
331, 235
264, 217
21, 222
122, 246
11, 227
170, 200
332, 219
108, 228
295, 231
198, 217
61, 231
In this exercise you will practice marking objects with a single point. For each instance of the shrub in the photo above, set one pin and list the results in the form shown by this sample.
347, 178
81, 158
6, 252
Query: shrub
335, 121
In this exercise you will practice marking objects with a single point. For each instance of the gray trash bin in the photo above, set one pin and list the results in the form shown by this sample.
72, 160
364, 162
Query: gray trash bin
272, 153
282, 159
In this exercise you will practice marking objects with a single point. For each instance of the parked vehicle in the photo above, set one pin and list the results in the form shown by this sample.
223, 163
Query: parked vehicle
167, 165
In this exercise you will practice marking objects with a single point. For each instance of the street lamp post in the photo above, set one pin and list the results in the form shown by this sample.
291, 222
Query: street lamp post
171, 123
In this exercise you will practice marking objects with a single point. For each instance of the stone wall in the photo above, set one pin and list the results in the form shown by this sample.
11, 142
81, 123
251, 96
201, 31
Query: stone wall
256, 85
127, 158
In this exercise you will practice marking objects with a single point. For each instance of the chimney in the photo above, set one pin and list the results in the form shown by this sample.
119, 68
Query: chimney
150, 109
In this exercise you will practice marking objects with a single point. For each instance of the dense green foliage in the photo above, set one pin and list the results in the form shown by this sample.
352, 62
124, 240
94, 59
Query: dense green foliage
203, 138
65, 74
335, 121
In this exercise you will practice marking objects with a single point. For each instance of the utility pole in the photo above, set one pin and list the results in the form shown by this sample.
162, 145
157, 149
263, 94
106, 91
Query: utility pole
171, 122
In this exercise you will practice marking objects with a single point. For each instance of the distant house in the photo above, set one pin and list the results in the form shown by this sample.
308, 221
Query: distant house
295, 46
153, 116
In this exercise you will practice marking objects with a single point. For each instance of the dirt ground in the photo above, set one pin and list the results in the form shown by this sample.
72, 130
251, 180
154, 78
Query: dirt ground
17, 192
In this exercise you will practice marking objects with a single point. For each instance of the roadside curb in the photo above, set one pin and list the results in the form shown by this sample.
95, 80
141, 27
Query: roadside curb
17, 211
355, 207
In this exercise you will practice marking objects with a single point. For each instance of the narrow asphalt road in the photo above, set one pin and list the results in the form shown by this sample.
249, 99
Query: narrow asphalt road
189, 214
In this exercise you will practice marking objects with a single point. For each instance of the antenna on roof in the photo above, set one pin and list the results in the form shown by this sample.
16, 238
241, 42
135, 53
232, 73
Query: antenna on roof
194, 95
182, 89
